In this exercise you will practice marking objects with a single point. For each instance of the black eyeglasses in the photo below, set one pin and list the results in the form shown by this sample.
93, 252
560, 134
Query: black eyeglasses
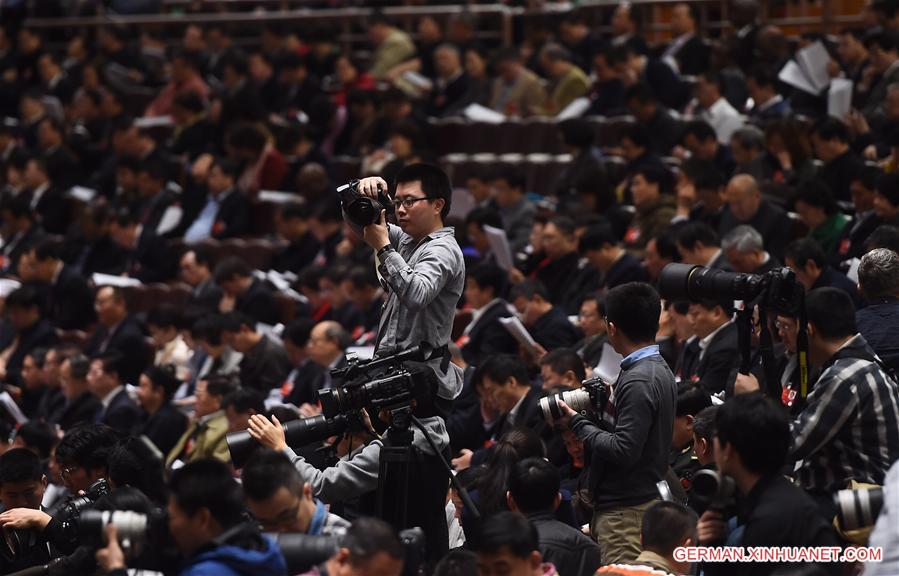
409, 202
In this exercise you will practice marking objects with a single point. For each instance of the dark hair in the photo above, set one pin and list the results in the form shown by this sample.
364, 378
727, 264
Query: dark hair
24, 298
502, 367
38, 435
295, 210
704, 423
434, 183
20, 465
367, 537
201, 255
762, 76
86, 445
817, 194
884, 236
229, 167
298, 331
516, 444
190, 101
832, 312
528, 289
867, 177
484, 217
534, 485
759, 430
666, 246
658, 175
79, 365
513, 176
266, 472
666, 525
247, 136
692, 399
221, 385
457, 562
831, 128
886, 40
561, 360
637, 134
576, 133
704, 171
112, 362
700, 129
133, 463
236, 61
208, 483
18, 207
888, 186
595, 237
508, 530
230, 267
164, 316
804, 249
641, 92
243, 400
693, 233
634, 309
163, 376
363, 277
47, 250
487, 275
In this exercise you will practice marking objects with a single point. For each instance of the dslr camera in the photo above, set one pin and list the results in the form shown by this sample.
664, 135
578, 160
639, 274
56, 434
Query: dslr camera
74, 507
361, 210
592, 396
714, 491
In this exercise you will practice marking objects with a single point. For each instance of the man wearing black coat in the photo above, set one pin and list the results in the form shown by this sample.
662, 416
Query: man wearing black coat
118, 410
119, 332
485, 336
196, 272
81, 406
746, 206
265, 364
23, 306
602, 248
712, 361
68, 299
227, 210
45, 198
688, 51
248, 294
148, 255
548, 324
807, 259
20, 232
160, 421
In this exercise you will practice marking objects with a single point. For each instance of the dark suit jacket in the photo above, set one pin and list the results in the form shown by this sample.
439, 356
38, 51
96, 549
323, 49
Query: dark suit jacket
770, 221
40, 335
80, 410
553, 330
693, 57
163, 428
152, 260
296, 255
488, 337
558, 275
265, 366
626, 269
62, 167
840, 172
835, 279
29, 239
70, 301
104, 256
233, 216
151, 211
127, 339
258, 302
206, 296
122, 414
307, 381
53, 210
717, 364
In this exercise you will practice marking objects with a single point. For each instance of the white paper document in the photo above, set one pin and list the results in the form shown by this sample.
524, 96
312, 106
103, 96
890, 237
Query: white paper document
279, 197
839, 99
12, 408
479, 113
519, 332
110, 280
499, 245
813, 60
609, 364
82, 194
170, 220
575, 109
793, 75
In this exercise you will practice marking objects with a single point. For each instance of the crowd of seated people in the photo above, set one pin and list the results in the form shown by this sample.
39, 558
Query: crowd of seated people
175, 267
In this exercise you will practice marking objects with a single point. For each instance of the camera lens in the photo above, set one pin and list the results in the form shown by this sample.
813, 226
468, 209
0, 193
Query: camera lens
578, 400
858, 508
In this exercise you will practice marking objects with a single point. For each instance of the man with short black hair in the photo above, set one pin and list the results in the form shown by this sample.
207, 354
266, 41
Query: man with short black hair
698, 244
484, 336
205, 436
560, 270
548, 324
119, 412
562, 369
227, 210
30, 332
806, 258
120, 332
68, 298
591, 321
245, 293
534, 491
281, 500
509, 545
22, 486
517, 212
831, 139
751, 446
80, 404
878, 322
849, 430
711, 359
196, 270
628, 457
602, 248
240, 405
160, 421
370, 546
691, 399
264, 365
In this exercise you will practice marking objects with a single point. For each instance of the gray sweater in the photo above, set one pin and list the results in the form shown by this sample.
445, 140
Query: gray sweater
625, 463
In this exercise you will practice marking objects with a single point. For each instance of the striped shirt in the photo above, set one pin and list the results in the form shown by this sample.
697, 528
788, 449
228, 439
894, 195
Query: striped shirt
850, 427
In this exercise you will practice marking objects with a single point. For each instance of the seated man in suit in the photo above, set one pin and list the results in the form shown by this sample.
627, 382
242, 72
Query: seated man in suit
240, 405
548, 324
69, 301
32, 331
196, 271
119, 411
20, 232
745, 251
745, 205
602, 248
81, 406
698, 244
264, 365
327, 346
245, 293
45, 198
687, 53
714, 357
147, 253
808, 260
120, 332
591, 321
485, 336
160, 421
205, 436
227, 210
562, 369
299, 389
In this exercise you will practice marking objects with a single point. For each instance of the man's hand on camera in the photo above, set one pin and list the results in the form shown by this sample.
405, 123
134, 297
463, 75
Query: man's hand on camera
111, 558
24, 518
370, 186
377, 235
711, 528
269, 434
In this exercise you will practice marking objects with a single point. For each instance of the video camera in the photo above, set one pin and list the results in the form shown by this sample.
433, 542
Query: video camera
592, 396
360, 209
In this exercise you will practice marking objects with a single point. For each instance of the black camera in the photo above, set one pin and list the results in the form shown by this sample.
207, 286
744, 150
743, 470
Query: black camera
73, 508
858, 508
359, 208
714, 491
297, 433
779, 289
303, 552
592, 396
414, 544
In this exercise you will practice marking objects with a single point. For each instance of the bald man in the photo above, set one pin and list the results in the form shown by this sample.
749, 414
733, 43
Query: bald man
745, 205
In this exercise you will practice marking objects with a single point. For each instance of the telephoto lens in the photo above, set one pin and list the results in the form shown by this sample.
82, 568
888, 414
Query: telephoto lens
131, 527
713, 490
858, 508
303, 552
578, 400
297, 433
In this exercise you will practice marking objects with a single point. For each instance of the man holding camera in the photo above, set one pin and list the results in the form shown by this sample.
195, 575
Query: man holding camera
421, 267
629, 446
